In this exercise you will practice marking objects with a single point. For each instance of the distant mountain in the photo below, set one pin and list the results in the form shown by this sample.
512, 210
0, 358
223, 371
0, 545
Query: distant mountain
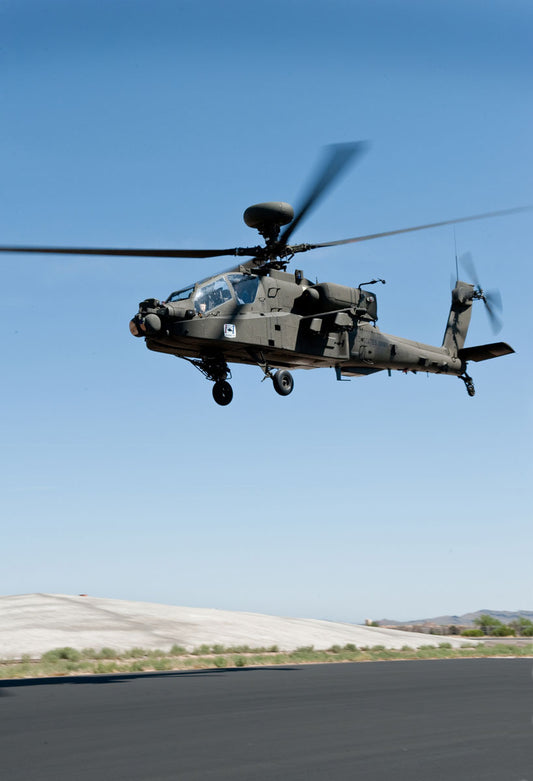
467, 619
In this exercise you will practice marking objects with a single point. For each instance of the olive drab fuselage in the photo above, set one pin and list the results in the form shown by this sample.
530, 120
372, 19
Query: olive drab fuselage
258, 313
281, 320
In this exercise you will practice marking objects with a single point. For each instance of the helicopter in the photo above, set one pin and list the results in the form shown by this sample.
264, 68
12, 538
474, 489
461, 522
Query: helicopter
258, 313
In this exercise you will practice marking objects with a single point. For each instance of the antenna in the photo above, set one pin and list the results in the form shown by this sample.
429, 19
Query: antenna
456, 263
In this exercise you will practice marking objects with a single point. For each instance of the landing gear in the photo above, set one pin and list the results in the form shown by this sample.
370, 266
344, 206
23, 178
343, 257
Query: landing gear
283, 382
469, 384
216, 369
222, 392
282, 379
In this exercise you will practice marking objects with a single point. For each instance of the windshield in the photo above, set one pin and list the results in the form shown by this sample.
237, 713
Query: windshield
180, 295
212, 295
245, 287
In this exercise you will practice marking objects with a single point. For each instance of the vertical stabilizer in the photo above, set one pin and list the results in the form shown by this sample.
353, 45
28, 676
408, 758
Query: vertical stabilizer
459, 318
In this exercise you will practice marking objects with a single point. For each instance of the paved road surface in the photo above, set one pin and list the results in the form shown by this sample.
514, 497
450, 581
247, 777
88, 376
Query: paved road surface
424, 720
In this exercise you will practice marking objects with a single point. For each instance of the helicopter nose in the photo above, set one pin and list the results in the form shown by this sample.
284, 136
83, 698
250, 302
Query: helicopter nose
136, 326
150, 324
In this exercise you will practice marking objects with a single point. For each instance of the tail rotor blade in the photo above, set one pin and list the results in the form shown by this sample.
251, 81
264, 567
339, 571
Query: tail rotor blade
494, 319
493, 298
466, 261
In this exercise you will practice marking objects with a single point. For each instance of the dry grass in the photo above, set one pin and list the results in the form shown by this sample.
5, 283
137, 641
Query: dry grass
68, 661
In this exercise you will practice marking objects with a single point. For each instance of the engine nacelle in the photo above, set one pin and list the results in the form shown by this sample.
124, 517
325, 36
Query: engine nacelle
328, 297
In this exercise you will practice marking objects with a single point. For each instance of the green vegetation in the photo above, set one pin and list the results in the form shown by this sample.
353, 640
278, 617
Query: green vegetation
522, 627
68, 661
488, 626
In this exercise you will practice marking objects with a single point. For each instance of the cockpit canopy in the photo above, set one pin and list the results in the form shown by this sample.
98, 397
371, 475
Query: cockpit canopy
180, 295
208, 295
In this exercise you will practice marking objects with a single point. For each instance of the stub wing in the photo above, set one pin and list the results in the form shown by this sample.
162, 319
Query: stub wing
485, 352
356, 371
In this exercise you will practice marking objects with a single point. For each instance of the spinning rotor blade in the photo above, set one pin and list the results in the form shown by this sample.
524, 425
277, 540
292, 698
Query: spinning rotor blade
338, 159
467, 262
492, 298
140, 253
370, 236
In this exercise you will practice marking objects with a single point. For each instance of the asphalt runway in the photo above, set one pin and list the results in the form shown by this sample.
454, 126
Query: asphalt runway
440, 720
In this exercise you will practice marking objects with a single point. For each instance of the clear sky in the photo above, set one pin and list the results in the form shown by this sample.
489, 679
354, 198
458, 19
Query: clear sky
156, 123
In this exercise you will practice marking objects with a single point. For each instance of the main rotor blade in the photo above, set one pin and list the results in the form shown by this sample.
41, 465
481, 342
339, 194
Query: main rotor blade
338, 158
139, 253
370, 236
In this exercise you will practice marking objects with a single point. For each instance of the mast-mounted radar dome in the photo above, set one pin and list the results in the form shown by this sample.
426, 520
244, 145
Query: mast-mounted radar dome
268, 215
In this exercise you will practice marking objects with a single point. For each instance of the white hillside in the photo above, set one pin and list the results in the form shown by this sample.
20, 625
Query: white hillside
36, 623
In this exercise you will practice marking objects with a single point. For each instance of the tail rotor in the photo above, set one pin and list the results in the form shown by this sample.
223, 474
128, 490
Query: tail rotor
491, 298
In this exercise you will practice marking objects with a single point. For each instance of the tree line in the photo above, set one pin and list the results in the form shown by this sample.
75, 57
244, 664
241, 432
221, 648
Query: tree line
488, 626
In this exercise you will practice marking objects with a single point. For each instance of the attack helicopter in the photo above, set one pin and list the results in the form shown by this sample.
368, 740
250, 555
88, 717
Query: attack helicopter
258, 313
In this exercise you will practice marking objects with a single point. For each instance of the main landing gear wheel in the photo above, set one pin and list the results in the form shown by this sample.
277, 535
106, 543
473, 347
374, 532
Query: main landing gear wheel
283, 382
222, 392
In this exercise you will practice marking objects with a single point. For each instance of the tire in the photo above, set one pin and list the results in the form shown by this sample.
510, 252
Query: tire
283, 382
222, 392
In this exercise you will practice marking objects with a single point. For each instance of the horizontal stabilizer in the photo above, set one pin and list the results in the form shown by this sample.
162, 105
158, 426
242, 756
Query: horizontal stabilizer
485, 352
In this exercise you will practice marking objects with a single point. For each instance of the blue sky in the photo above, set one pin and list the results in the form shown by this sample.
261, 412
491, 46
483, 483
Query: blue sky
156, 124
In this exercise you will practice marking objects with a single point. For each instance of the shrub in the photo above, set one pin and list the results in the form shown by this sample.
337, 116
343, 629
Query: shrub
202, 650
503, 631
472, 633
178, 650
219, 661
239, 661
88, 653
137, 667
239, 649
106, 653
103, 668
136, 653
161, 664
61, 653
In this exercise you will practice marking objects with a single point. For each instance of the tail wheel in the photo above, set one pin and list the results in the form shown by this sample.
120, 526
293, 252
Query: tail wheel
222, 392
283, 382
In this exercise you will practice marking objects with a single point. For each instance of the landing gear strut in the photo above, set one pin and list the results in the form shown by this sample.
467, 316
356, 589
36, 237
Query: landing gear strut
469, 384
217, 370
